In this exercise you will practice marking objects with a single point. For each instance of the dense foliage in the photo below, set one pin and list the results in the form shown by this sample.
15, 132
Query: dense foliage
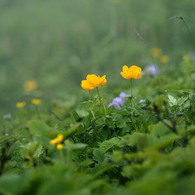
113, 151
65, 130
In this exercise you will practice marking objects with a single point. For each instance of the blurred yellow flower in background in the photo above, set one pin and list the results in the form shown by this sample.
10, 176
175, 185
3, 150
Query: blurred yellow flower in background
131, 73
164, 59
36, 101
156, 52
20, 104
186, 58
57, 140
59, 146
30, 85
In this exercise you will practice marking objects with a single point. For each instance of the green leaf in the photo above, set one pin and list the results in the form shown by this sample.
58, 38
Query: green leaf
13, 184
182, 100
106, 145
172, 101
98, 155
75, 115
38, 128
65, 133
160, 129
141, 140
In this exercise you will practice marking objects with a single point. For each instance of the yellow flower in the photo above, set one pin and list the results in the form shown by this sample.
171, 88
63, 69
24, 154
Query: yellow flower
30, 85
164, 59
96, 81
57, 140
53, 142
86, 85
36, 101
67, 142
59, 146
20, 104
131, 73
186, 58
156, 52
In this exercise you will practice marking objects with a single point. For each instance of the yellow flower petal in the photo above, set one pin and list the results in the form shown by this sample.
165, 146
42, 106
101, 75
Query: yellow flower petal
30, 85
131, 73
125, 68
164, 59
53, 142
36, 101
156, 52
96, 81
20, 104
59, 138
86, 85
59, 146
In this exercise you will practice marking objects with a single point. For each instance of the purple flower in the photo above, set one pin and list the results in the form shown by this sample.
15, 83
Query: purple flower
192, 55
123, 95
119, 101
142, 101
151, 69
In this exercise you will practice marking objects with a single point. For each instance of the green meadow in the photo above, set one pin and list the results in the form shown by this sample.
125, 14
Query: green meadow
97, 97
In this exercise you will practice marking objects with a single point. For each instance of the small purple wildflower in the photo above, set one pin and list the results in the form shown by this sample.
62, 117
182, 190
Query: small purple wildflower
119, 101
192, 55
151, 69
124, 95
142, 101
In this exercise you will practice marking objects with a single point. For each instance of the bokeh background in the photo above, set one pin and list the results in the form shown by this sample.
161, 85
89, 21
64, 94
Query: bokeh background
57, 43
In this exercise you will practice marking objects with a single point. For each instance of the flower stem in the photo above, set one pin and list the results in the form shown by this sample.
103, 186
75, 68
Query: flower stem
61, 155
68, 159
105, 111
99, 96
131, 86
90, 102
37, 111
102, 106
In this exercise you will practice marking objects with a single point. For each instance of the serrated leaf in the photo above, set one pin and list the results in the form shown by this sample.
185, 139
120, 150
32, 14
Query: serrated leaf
182, 100
172, 101
106, 145
98, 155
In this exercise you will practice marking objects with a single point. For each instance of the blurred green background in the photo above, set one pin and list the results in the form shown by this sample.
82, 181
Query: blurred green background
57, 43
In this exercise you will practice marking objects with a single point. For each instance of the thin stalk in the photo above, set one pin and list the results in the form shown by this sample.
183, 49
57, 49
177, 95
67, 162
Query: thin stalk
90, 102
68, 160
101, 105
131, 86
37, 111
105, 111
186, 26
61, 155
99, 96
